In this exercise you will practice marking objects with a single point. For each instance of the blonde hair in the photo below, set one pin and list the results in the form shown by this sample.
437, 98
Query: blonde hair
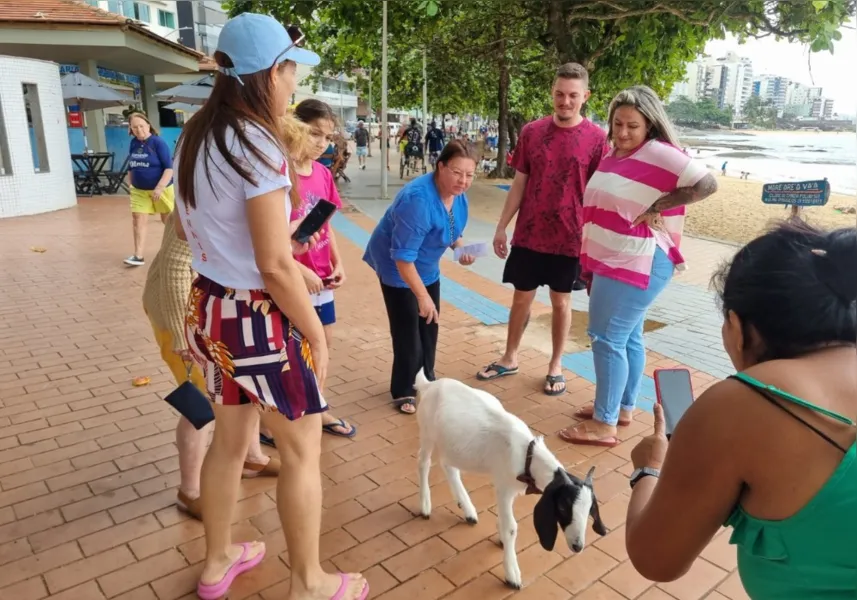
646, 101
145, 117
295, 137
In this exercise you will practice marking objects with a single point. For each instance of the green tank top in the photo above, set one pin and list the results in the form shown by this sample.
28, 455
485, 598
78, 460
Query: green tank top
812, 555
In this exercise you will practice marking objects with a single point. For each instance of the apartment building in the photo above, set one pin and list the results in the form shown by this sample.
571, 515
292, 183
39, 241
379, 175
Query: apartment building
728, 80
160, 16
200, 22
774, 89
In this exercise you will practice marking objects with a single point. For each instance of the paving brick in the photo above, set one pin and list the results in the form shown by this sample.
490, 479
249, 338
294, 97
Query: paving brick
88, 463
141, 572
87, 569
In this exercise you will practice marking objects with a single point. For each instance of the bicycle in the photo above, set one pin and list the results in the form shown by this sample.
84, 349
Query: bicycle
408, 162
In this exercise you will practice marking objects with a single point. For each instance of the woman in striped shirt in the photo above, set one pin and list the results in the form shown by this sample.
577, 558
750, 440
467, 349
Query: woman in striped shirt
634, 209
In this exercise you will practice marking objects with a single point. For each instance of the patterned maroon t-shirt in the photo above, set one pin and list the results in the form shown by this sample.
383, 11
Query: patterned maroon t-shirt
559, 162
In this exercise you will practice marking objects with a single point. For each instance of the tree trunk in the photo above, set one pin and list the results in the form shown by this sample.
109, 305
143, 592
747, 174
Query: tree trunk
502, 171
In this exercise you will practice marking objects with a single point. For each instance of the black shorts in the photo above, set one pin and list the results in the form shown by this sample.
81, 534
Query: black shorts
527, 270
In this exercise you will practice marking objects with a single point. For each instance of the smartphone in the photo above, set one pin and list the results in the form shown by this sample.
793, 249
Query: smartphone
675, 395
314, 221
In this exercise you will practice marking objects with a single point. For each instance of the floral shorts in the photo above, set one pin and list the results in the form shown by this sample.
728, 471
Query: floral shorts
249, 351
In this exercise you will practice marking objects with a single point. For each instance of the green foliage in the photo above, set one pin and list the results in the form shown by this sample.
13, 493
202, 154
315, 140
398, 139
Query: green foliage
701, 114
762, 114
621, 42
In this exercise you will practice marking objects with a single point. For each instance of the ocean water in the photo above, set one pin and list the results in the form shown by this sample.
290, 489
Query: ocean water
781, 156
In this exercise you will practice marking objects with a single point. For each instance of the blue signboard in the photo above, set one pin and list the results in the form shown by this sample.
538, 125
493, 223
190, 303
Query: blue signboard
797, 193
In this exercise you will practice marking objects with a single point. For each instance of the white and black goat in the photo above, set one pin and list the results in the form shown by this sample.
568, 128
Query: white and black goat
469, 430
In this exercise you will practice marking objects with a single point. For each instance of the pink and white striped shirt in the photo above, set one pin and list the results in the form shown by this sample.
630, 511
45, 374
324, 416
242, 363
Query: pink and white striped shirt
619, 192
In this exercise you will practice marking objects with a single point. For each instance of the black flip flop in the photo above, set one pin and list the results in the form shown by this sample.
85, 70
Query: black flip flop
330, 428
400, 402
550, 380
499, 371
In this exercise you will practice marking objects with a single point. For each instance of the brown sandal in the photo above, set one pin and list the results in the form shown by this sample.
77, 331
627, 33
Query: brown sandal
581, 436
587, 411
269, 469
191, 507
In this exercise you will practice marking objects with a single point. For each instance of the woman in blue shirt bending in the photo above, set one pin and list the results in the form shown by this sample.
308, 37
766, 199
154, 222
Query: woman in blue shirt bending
427, 217
150, 168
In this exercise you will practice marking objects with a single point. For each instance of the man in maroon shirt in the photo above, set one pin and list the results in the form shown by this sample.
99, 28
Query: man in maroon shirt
554, 159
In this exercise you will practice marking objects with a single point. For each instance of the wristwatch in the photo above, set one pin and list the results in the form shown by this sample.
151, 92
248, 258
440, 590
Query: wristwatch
638, 474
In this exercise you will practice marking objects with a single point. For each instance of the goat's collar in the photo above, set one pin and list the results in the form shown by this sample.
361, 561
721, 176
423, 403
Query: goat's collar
527, 476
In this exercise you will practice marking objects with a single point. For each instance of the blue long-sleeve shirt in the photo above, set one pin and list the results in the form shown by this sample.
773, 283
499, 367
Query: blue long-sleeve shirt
417, 229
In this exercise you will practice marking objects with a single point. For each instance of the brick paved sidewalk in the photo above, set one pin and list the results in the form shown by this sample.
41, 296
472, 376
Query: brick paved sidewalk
88, 464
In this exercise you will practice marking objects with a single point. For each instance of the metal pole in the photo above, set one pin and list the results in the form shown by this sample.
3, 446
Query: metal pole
425, 95
385, 131
371, 113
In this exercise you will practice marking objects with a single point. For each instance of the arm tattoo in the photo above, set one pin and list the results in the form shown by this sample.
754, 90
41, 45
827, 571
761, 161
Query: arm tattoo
686, 195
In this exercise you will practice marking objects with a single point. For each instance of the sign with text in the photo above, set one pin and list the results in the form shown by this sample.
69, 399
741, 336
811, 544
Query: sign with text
797, 193
75, 119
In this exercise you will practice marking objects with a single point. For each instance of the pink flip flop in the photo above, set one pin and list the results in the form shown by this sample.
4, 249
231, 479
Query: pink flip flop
218, 590
345, 580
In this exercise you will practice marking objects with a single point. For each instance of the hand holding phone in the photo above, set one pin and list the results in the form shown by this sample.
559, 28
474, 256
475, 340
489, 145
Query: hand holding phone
675, 395
314, 221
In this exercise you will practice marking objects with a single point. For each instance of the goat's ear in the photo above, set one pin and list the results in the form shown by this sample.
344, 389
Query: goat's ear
588, 480
544, 517
597, 524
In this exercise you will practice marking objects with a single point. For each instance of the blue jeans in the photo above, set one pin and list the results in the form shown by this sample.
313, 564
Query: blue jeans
616, 315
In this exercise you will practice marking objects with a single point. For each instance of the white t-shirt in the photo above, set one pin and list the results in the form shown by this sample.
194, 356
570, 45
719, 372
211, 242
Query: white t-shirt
217, 229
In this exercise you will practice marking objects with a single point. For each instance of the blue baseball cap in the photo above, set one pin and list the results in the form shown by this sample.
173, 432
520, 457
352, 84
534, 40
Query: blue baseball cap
255, 42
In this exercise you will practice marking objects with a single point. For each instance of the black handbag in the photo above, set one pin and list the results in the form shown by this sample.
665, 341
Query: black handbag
191, 403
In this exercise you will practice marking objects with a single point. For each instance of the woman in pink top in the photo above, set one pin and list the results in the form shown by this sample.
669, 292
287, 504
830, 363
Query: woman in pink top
634, 209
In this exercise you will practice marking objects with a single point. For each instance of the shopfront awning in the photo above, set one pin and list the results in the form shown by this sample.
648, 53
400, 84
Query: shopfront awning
67, 31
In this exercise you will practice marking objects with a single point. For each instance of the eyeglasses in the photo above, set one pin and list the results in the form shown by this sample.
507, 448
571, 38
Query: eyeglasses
462, 175
298, 38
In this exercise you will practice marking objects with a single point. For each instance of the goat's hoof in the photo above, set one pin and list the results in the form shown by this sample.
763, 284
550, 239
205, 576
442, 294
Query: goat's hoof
471, 520
514, 586
426, 516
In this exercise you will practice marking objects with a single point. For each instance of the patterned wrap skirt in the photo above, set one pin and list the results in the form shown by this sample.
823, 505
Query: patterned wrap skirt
249, 352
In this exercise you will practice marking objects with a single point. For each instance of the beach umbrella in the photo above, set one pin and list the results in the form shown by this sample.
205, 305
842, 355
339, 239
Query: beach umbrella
194, 92
88, 94
182, 107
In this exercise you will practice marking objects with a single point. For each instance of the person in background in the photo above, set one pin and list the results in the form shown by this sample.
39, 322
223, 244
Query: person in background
634, 208
361, 141
769, 451
427, 217
554, 158
323, 262
723, 168
434, 143
165, 295
250, 321
150, 170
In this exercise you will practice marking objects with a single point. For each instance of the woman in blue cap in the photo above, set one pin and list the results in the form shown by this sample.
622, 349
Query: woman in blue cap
250, 322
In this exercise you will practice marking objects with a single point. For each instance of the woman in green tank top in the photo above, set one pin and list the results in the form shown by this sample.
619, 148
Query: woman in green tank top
770, 451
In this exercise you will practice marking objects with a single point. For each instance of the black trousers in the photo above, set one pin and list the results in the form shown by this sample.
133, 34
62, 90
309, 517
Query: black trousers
414, 342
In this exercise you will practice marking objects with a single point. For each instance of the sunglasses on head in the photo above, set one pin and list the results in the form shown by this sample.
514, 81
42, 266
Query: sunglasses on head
297, 36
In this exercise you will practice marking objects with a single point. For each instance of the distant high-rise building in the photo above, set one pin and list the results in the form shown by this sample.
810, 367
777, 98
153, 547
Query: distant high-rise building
728, 81
200, 23
693, 84
773, 89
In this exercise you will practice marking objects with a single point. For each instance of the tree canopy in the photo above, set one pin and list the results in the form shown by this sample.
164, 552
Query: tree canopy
703, 113
498, 57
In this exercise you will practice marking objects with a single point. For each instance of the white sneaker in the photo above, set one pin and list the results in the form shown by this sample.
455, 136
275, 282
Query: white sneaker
134, 261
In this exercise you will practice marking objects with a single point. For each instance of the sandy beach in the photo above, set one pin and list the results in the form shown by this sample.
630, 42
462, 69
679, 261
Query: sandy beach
735, 213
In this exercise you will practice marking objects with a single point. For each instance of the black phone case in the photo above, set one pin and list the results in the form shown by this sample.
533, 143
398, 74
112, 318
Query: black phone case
192, 404
305, 232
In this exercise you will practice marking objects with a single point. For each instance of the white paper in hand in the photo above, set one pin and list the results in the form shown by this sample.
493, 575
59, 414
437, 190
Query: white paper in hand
475, 250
